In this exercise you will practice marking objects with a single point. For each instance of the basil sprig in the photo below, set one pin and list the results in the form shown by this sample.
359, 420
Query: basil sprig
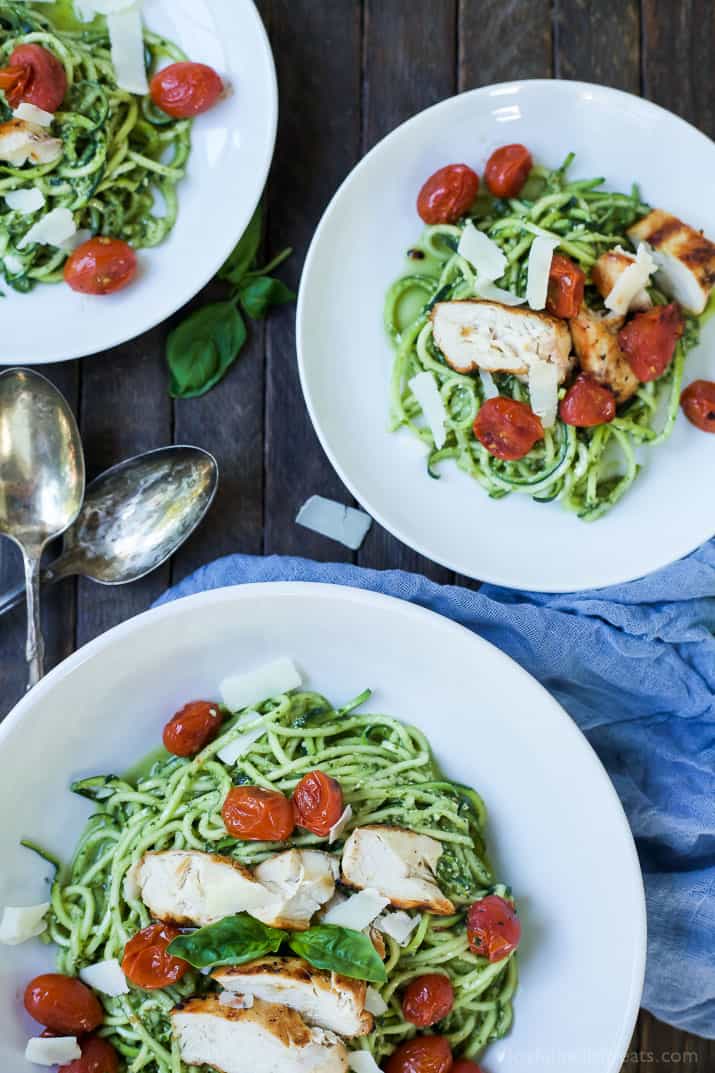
240, 938
203, 347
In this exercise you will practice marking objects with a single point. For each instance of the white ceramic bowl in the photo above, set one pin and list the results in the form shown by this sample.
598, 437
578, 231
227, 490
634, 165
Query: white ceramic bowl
345, 358
557, 831
227, 170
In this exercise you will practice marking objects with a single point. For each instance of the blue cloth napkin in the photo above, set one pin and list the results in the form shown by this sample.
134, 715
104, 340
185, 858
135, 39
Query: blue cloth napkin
635, 667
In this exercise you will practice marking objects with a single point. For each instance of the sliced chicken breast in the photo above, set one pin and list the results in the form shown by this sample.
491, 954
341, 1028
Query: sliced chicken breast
595, 340
299, 881
685, 258
21, 141
398, 863
475, 334
321, 998
262, 1039
609, 268
190, 887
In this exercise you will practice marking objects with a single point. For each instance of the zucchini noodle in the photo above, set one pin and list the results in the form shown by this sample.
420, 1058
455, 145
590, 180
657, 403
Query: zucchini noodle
388, 776
122, 158
587, 469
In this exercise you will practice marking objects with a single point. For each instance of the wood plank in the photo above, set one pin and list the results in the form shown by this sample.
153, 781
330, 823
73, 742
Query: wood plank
664, 1048
503, 40
598, 42
317, 52
58, 603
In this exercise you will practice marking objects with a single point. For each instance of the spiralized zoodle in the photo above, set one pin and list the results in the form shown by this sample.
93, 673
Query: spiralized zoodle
588, 470
388, 776
119, 150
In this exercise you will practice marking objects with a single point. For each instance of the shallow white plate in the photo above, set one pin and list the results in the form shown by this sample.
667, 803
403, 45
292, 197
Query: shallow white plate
557, 831
227, 170
345, 358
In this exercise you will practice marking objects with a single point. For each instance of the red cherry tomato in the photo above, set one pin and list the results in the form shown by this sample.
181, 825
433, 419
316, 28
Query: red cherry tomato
146, 963
507, 170
258, 815
648, 340
101, 266
41, 79
98, 1056
183, 90
507, 428
493, 928
465, 1065
427, 999
698, 402
587, 403
64, 1004
423, 1054
193, 727
447, 194
317, 803
566, 286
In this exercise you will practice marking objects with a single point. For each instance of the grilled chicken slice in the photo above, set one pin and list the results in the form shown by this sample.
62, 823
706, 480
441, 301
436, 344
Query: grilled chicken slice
190, 887
475, 334
262, 1039
685, 258
299, 881
609, 268
21, 141
399, 864
321, 998
595, 340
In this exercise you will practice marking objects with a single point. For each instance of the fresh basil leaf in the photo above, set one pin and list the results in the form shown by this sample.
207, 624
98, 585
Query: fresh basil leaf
231, 941
341, 950
203, 347
245, 252
257, 295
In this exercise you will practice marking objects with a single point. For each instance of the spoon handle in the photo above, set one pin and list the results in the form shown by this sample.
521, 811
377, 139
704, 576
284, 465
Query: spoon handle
15, 597
35, 648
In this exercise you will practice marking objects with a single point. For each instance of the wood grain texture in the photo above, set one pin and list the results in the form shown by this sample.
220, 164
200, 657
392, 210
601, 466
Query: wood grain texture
677, 61
503, 40
598, 42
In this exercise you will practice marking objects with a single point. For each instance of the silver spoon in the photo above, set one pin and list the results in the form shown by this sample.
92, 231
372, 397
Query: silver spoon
134, 517
41, 482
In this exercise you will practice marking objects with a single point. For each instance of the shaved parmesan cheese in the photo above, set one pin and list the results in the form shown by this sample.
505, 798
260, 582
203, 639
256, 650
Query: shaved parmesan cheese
33, 114
424, 388
345, 524
25, 201
490, 389
20, 923
126, 39
489, 291
340, 824
544, 390
632, 280
362, 1062
241, 745
237, 1002
482, 253
537, 282
245, 690
358, 910
398, 925
52, 1051
107, 977
13, 264
110, 7
76, 240
374, 1002
52, 230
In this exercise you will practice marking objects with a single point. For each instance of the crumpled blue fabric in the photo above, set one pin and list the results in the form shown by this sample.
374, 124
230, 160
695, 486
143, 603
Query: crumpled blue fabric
634, 665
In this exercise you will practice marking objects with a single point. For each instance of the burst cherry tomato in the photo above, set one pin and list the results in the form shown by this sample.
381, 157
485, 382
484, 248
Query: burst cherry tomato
98, 1056
507, 170
258, 815
193, 727
493, 928
101, 266
146, 962
698, 402
64, 1004
507, 428
317, 803
427, 999
423, 1054
35, 75
649, 339
183, 90
566, 286
587, 403
465, 1065
447, 194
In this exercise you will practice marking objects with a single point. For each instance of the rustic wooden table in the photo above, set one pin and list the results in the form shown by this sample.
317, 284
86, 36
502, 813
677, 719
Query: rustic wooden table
349, 71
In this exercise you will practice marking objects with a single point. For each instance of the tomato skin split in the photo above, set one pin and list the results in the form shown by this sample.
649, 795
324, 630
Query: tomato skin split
146, 963
257, 815
192, 728
566, 287
317, 803
423, 1054
507, 428
34, 75
587, 404
493, 928
649, 340
427, 999
447, 194
507, 170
